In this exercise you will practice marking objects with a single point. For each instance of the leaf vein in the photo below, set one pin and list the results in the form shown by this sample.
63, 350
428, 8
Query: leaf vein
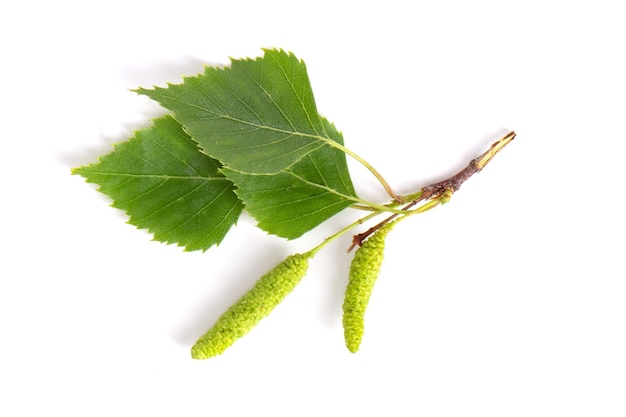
197, 213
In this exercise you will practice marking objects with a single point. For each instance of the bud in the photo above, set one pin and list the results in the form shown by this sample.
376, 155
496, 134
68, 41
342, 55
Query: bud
363, 273
257, 303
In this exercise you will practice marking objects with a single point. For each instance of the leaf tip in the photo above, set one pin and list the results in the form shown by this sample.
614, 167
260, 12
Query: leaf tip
143, 91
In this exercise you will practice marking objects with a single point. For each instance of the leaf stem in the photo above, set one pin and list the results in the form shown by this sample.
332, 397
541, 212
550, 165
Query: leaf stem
373, 170
360, 203
379, 208
346, 229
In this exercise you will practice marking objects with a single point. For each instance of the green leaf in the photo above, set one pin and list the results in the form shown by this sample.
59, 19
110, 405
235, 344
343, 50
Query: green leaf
258, 116
162, 181
296, 200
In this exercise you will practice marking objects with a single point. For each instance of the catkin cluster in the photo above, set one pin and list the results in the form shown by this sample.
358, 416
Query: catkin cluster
364, 270
257, 303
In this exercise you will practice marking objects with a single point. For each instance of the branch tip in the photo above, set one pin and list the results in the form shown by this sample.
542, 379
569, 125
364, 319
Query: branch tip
484, 159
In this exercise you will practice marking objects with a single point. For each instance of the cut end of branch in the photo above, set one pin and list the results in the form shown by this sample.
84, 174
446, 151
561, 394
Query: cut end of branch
484, 159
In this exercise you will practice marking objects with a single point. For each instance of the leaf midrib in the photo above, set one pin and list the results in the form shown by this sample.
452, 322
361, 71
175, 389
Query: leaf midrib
257, 125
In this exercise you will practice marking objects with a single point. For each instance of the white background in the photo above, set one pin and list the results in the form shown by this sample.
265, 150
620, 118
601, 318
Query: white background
509, 301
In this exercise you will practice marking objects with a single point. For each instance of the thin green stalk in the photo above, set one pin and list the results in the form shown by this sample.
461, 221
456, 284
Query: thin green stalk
346, 229
359, 201
379, 208
371, 169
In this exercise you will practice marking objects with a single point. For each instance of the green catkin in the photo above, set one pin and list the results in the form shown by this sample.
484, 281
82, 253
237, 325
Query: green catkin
257, 303
363, 273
